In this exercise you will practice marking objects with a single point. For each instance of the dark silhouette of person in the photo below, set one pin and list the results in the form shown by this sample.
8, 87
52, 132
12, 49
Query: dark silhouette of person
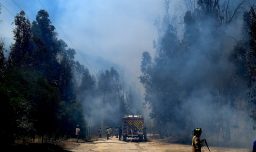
77, 133
254, 146
108, 133
196, 141
119, 133
100, 133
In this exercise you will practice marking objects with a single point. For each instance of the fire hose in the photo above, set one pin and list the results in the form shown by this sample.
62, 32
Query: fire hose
206, 144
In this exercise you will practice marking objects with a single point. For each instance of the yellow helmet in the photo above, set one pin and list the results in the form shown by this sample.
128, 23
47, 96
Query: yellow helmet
197, 131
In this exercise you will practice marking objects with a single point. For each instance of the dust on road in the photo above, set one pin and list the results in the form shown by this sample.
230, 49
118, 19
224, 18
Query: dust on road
114, 145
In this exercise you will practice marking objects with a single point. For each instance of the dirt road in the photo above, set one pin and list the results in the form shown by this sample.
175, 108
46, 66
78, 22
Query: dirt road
114, 145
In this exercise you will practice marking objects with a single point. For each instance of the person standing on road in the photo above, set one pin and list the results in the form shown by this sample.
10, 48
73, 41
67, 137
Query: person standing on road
196, 141
77, 133
108, 133
99, 133
145, 133
254, 146
116, 132
119, 133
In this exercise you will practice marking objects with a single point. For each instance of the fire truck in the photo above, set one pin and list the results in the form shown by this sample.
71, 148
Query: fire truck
133, 128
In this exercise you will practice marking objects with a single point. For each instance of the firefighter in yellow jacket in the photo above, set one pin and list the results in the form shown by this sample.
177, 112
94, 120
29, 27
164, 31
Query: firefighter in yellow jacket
196, 141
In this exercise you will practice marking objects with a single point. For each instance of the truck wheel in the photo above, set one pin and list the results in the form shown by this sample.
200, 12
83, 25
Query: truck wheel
141, 138
145, 137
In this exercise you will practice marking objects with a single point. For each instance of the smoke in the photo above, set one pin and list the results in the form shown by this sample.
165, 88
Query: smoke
223, 124
195, 82
113, 33
101, 114
201, 77
106, 98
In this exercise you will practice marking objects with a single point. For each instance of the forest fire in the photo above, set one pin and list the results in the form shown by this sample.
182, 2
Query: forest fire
169, 72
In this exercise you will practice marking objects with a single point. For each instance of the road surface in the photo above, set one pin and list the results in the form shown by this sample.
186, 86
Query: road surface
114, 145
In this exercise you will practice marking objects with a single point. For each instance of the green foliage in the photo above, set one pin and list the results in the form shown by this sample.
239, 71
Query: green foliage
37, 88
250, 19
2, 60
248, 50
17, 89
21, 50
7, 115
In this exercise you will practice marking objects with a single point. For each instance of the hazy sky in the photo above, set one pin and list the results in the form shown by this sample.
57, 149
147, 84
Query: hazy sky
116, 30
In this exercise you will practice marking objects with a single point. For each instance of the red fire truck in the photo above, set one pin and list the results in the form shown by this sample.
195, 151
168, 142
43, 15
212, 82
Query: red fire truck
133, 128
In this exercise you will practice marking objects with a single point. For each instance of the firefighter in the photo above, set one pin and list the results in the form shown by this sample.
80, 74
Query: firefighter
99, 132
145, 133
77, 132
108, 133
116, 132
119, 133
196, 141
254, 146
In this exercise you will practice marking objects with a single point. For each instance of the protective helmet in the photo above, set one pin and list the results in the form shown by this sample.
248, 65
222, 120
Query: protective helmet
198, 131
